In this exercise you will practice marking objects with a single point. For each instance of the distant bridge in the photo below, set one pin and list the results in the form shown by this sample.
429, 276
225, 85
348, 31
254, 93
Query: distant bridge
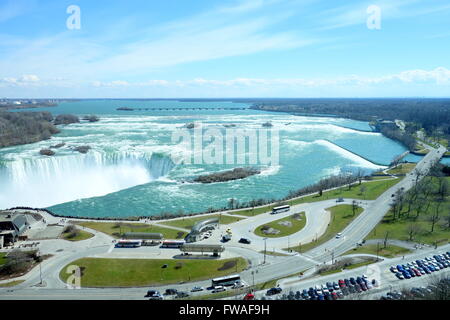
179, 109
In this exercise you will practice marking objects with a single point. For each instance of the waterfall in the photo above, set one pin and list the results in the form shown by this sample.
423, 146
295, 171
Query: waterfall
47, 181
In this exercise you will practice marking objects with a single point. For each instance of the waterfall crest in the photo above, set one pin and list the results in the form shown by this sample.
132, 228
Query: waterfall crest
46, 181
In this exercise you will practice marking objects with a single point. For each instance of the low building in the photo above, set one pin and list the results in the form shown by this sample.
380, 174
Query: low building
12, 227
200, 227
143, 235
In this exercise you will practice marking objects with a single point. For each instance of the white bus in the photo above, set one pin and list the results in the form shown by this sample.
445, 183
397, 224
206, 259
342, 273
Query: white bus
172, 243
281, 209
128, 243
226, 281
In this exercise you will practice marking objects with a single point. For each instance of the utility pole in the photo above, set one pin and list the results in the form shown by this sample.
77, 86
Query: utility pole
378, 249
40, 271
265, 248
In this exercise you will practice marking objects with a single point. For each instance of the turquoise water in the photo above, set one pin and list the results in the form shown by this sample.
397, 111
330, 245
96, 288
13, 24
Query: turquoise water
134, 169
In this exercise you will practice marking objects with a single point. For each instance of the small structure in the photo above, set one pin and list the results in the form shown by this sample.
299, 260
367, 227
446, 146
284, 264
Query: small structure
215, 249
12, 226
143, 235
200, 227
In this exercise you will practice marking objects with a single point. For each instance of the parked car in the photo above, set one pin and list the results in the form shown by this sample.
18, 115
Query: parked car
272, 291
244, 240
237, 285
400, 276
249, 296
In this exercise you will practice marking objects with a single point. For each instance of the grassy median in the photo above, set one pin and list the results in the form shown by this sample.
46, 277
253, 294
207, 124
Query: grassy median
188, 223
104, 272
294, 223
390, 251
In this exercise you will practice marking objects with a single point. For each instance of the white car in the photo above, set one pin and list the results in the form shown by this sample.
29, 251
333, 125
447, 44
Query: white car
338, 235
238, 285
219, 289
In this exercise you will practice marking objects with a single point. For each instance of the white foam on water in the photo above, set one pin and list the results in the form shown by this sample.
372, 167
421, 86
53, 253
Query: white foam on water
46, 181
357, 160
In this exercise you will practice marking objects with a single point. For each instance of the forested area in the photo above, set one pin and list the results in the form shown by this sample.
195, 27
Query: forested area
25, 127
432, 114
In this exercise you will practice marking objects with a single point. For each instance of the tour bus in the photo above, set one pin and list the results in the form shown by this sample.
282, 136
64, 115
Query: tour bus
281, 209
172, 243
128, 243
226, 281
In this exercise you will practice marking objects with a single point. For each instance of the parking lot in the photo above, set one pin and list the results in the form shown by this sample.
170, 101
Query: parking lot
329, 290
421, 267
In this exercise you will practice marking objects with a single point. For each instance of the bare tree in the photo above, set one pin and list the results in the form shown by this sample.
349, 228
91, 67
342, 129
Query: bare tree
385, 239
435, 217
413, 230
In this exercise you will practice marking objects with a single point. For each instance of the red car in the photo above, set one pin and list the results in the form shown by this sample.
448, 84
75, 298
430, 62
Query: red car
341, 283
249, 296
417, 272
334, 295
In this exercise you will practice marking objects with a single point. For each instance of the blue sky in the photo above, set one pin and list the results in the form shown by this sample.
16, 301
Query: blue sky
239, 48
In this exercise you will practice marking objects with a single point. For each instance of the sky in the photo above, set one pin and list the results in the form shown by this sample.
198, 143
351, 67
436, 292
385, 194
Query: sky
214, 49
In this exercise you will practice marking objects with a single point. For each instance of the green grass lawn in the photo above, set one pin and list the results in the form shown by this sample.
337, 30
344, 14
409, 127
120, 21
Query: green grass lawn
297, 225
390, 251
403, 168
3, 258
373, 189
188, 223
115, 229
81, 235
349, 267
11, 284
399, 228
341, 217
101, 272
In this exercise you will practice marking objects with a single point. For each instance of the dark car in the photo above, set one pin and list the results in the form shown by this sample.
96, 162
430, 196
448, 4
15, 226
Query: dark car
181, 294
330, 286
154, 295
170, 292
244, 240
273, 291
352, 281
347, 282
226, 238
